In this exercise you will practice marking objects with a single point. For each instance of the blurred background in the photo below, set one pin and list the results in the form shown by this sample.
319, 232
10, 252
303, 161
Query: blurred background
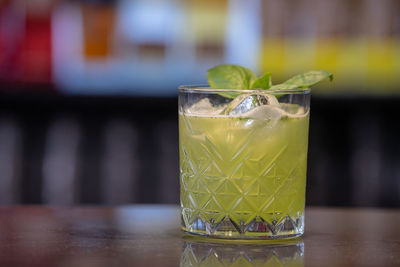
88, 92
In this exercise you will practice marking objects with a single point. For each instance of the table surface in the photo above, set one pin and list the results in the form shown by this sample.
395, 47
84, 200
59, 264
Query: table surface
149, 235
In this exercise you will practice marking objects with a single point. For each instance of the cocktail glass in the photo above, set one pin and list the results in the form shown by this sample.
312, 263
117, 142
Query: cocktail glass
243, 159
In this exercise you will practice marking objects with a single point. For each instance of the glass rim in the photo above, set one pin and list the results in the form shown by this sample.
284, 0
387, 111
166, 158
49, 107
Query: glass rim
205, 88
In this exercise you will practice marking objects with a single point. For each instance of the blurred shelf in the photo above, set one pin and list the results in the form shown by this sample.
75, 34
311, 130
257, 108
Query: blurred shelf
150, 47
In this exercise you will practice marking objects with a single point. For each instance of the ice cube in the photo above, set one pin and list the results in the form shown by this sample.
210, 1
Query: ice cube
204, 107
293, 110
274, 113
266, 113
247, 102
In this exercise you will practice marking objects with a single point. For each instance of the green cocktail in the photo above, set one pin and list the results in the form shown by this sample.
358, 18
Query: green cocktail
243, 175
243, 154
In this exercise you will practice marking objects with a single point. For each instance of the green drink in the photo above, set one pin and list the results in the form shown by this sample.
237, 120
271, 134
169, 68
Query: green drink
243, 175
243, 154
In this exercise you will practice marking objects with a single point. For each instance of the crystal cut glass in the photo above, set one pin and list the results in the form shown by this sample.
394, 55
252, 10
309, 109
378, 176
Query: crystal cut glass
243, 159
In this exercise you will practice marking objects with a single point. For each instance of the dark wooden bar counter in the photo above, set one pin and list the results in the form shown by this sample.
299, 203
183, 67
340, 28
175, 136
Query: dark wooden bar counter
149, 235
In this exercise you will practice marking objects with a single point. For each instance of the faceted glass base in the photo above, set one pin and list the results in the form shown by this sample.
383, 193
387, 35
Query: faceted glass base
258, 228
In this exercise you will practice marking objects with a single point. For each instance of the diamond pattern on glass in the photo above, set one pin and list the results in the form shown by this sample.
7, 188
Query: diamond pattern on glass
227, 188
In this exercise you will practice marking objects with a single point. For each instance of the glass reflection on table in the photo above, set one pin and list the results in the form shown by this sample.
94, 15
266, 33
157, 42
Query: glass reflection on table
202, 253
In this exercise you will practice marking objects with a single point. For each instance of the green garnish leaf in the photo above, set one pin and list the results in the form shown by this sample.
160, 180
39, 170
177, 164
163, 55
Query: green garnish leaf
264, 82
227, 76
309, 78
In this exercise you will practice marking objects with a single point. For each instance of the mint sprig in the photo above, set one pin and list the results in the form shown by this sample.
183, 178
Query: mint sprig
228, 76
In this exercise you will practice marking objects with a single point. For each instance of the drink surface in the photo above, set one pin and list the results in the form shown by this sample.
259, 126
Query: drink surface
243, 176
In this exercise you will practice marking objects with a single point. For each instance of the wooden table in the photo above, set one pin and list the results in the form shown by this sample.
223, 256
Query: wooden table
149, 235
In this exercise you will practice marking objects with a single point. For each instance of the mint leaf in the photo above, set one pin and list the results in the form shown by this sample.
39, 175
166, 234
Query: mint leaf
264, 82
309, 78
227, 76
303, 80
